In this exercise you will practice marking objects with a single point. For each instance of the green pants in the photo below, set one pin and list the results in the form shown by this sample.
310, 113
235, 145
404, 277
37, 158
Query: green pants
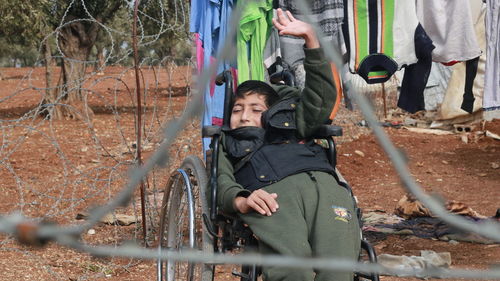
315, 218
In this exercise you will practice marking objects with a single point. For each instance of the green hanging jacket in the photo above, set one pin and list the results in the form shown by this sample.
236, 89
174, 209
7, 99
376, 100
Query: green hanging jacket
255, 27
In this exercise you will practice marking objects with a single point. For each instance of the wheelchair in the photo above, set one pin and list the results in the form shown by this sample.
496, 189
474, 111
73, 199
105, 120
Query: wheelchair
190, 219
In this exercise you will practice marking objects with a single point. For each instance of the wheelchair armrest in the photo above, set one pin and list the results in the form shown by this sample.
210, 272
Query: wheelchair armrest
210, 131
326, 131
222, 214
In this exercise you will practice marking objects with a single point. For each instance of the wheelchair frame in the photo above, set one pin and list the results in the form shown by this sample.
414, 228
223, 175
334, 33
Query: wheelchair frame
200, 225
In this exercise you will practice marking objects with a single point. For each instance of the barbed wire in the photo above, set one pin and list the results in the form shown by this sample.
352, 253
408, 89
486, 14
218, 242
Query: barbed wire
77, 164
71, 186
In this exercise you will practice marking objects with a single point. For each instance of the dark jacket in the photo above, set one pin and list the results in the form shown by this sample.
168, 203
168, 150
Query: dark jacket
309, 109
263, 156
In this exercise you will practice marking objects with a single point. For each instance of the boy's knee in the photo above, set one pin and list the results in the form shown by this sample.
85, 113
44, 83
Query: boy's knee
333, 276
286, 274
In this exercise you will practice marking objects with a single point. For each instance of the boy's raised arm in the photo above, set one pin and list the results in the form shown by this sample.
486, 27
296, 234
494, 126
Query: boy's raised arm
288, 25
319, 94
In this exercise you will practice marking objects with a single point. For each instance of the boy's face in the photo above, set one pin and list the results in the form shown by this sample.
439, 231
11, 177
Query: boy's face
247, 111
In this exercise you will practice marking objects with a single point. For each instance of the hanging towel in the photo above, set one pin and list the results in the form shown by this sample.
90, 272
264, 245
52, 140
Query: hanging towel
450, 26
328, 15
491, 98
255, 26
272, 51
458, 84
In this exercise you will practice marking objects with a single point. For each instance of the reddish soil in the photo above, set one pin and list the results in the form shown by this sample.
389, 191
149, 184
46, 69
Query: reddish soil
56, 169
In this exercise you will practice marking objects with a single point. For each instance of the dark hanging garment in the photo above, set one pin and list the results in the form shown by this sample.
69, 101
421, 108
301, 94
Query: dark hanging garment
411, 97
470, 75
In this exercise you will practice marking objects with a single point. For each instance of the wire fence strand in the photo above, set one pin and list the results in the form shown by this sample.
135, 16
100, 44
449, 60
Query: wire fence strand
89, 166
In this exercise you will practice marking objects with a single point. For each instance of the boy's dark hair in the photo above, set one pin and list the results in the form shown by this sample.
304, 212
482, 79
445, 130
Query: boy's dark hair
256, 87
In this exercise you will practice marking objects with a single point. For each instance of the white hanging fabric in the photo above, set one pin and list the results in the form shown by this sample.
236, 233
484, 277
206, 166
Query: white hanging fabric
450, 25
491, 99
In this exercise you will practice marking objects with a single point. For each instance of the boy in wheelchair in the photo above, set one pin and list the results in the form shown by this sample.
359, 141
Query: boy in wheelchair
276, 179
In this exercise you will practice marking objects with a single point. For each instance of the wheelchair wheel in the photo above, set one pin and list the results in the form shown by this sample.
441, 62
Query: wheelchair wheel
181, 224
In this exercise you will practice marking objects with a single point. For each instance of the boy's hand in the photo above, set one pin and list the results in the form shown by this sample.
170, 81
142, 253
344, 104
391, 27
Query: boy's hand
288, 25
260, 200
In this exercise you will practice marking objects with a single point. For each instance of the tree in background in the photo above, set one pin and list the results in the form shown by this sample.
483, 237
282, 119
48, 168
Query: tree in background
21, 27
77, 24
24, 25
16, 54
74, 31
166, 30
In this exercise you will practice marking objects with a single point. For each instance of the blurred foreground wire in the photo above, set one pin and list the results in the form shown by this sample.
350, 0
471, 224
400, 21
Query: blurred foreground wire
38, 232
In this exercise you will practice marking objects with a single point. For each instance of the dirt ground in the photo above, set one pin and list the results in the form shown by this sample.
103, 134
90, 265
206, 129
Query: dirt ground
57, 169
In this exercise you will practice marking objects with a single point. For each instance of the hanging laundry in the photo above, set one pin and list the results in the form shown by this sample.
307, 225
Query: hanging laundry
209, 20
470, 75
255, 26
380, 37
383, 37
450, 25
278, 71
205, 20
218, 94
491, 98
272, 50
199, 53
328, 15
411, 95
462, 79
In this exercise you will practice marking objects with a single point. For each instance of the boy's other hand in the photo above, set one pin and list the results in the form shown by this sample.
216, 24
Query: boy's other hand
260, 201
289, 25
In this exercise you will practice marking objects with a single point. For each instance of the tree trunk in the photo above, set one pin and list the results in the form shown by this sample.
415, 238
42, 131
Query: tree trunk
76, 41
51, 91
99, 65
76, 37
